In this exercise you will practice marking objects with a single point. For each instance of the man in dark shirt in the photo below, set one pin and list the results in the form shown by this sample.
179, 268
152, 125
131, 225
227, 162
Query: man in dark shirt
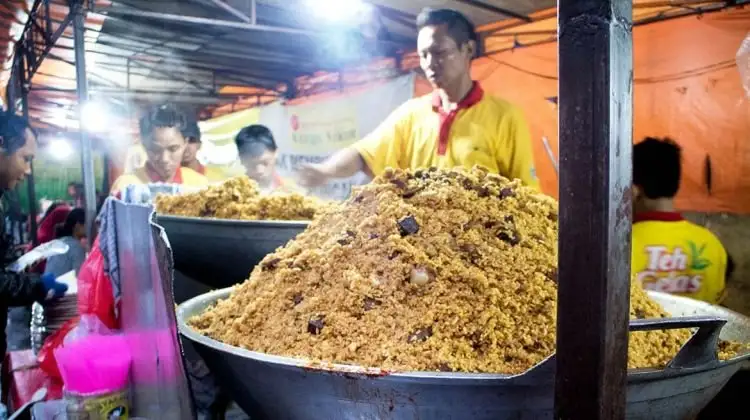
17, 150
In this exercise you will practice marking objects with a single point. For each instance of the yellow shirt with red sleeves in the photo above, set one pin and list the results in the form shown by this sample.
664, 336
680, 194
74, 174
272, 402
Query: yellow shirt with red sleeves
211, 173
675, 256
482, 130
184, 176
284, 185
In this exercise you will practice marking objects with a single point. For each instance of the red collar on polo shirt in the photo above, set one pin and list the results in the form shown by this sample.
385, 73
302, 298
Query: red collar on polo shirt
658, 216
276, 180
447, 118
153, 176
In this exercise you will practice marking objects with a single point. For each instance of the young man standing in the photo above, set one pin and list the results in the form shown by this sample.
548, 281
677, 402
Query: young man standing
258, 151
192, 134
457, 125
161, 134
669, 253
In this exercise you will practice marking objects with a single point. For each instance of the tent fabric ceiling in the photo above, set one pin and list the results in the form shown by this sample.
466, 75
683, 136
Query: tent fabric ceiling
13, 16
137, 51
205, 53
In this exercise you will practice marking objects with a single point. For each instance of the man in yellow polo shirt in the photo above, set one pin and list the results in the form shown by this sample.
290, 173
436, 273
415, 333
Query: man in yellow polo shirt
457, 125
161, 134
670, 254
192, 134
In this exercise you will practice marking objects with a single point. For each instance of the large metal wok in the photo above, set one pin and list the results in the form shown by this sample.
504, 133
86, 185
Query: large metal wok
278, 388
220, 252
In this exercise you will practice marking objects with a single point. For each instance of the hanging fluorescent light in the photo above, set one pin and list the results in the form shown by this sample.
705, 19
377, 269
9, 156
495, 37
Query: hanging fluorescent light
95, 116
340, 11
60, 149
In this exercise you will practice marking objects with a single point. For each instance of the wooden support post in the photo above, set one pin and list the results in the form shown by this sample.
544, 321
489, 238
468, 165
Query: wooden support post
595, 105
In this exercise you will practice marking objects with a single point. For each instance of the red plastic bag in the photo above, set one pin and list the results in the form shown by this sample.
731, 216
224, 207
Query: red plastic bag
46, 357
94, 299
95, 295
72, 330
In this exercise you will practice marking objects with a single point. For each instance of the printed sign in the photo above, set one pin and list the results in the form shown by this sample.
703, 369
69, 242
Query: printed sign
675, 271
313, 133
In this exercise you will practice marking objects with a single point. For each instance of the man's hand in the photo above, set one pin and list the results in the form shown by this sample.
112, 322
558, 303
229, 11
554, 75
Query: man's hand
344, 163
312, 175
54, 289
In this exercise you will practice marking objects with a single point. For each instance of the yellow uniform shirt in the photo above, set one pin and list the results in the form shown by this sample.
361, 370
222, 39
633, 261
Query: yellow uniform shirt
213, 174
286, 185
281, 185
483, 130
675, 256
184, 176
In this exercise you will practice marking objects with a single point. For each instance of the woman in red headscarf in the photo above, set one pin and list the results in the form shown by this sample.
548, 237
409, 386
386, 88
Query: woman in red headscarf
56, 215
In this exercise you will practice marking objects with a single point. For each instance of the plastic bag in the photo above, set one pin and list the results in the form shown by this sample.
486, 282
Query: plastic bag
95, 295
46, 356
87, 325
73, 330
743, 63
39, 253
144, 194
95, 365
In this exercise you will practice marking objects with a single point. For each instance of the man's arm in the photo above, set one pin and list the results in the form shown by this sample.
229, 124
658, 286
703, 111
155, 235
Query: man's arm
380, 149
342, 164
20, 289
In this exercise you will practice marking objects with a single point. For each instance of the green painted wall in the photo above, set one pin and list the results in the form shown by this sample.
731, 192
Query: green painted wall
52, 176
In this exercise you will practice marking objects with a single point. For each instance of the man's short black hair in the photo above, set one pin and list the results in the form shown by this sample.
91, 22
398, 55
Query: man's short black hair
77, 216
460, 28
13, 132
657, 167
192, 131
162, 116
254, 140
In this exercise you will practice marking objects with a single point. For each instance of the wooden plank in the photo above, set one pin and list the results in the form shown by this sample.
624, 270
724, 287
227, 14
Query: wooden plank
595, 105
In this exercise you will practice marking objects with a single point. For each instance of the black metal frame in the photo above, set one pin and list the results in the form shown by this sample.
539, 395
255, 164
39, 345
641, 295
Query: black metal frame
37, 40
228, 62
595, 125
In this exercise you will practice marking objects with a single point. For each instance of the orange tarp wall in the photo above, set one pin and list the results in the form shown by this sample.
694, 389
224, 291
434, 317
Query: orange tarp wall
687, 87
